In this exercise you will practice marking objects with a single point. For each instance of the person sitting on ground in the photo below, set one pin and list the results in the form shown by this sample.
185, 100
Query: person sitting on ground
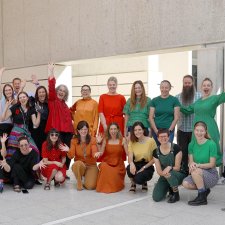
54, 159
168, 163
202, 165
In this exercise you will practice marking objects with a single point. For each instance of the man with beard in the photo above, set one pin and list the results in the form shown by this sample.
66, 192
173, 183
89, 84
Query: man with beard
185, 123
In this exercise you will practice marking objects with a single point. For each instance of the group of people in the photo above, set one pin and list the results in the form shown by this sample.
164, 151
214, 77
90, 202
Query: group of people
41, 134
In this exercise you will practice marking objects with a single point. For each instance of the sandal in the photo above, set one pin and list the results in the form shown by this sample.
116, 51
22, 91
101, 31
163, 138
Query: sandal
133, 188
47, 186
17, 188
145, 187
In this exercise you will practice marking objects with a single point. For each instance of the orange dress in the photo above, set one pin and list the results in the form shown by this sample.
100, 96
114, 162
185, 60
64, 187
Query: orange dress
112, 169
112, 108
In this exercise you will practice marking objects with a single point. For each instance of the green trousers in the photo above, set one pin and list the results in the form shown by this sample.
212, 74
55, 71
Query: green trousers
163, 184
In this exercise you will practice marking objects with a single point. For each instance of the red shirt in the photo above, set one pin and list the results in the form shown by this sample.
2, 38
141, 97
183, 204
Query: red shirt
59, 113
53, 154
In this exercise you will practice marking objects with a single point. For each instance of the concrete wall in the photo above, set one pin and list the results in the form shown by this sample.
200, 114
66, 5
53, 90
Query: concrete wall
35, 32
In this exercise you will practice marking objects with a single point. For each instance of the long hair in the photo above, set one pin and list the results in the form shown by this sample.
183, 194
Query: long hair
133, 99
108, 136
49, 142
80, 125
25, 93
3, 90
36, 94
203, 124
133, 138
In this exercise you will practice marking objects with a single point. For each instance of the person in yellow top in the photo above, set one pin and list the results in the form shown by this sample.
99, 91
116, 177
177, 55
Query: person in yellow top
140, 159
86, 109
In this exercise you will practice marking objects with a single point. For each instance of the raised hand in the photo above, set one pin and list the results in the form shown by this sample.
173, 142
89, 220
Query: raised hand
34, 79
51, 67
64, 148
2, 70
4, 138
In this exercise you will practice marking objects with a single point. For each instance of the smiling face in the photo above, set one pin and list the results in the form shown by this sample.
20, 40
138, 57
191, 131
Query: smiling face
113, 130
85, 92
163, 138
138, 132
54, 137
61, 92
83, 132
112, 87
16, 85
165, 89
23, 99
8, 92
200, 132
206, 88
42, 95
24, 147
138, 90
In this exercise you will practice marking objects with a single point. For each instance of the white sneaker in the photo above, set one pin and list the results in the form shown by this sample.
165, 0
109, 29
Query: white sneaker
221, 181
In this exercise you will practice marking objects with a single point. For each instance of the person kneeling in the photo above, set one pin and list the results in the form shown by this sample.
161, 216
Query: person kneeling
167, 157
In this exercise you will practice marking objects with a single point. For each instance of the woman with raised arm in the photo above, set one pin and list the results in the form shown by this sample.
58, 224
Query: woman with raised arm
59, 113
112, 169
21, 113
204, 109
202, 164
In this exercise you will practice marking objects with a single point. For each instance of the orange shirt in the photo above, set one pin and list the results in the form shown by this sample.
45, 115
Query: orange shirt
86, 109
83, 152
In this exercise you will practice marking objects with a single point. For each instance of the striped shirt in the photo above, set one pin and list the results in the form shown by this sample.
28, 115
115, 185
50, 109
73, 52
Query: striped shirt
185, 122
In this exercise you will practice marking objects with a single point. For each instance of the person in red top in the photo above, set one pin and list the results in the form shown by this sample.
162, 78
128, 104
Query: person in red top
59, 113
111, 106
54, 159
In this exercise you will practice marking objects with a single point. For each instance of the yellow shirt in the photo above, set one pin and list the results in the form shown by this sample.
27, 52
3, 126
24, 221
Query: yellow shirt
86, 109
142, 150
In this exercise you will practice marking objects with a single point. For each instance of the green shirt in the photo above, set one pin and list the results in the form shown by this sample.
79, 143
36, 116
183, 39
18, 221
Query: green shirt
164, 110
138, 113
202, 152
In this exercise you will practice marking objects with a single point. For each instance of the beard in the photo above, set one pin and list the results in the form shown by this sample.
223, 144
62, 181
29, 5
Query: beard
187, 95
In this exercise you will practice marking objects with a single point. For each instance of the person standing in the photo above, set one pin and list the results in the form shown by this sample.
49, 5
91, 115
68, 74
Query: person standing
185, 123
164, 111
111, 106
86, 109
59, 113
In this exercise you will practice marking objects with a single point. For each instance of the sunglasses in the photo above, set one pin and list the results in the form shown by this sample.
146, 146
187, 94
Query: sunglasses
54, 134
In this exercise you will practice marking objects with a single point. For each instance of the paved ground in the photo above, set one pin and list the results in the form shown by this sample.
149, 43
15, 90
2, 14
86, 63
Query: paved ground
67, 206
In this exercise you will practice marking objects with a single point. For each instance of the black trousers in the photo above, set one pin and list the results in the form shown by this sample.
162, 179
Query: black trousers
66, 138
20, 177
142, 177
183, 139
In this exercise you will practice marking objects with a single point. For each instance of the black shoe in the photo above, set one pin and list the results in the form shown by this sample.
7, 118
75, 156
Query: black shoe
67, 177
201, 199
133, 188
170, 192
174, 197
208, 192
144, 187
37, 182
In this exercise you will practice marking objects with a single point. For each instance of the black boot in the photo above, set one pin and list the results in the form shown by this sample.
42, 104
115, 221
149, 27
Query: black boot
201, 199
174, 197
207, 191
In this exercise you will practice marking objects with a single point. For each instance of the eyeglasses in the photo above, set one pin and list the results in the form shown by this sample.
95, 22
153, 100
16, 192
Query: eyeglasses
54, 134
85, 90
